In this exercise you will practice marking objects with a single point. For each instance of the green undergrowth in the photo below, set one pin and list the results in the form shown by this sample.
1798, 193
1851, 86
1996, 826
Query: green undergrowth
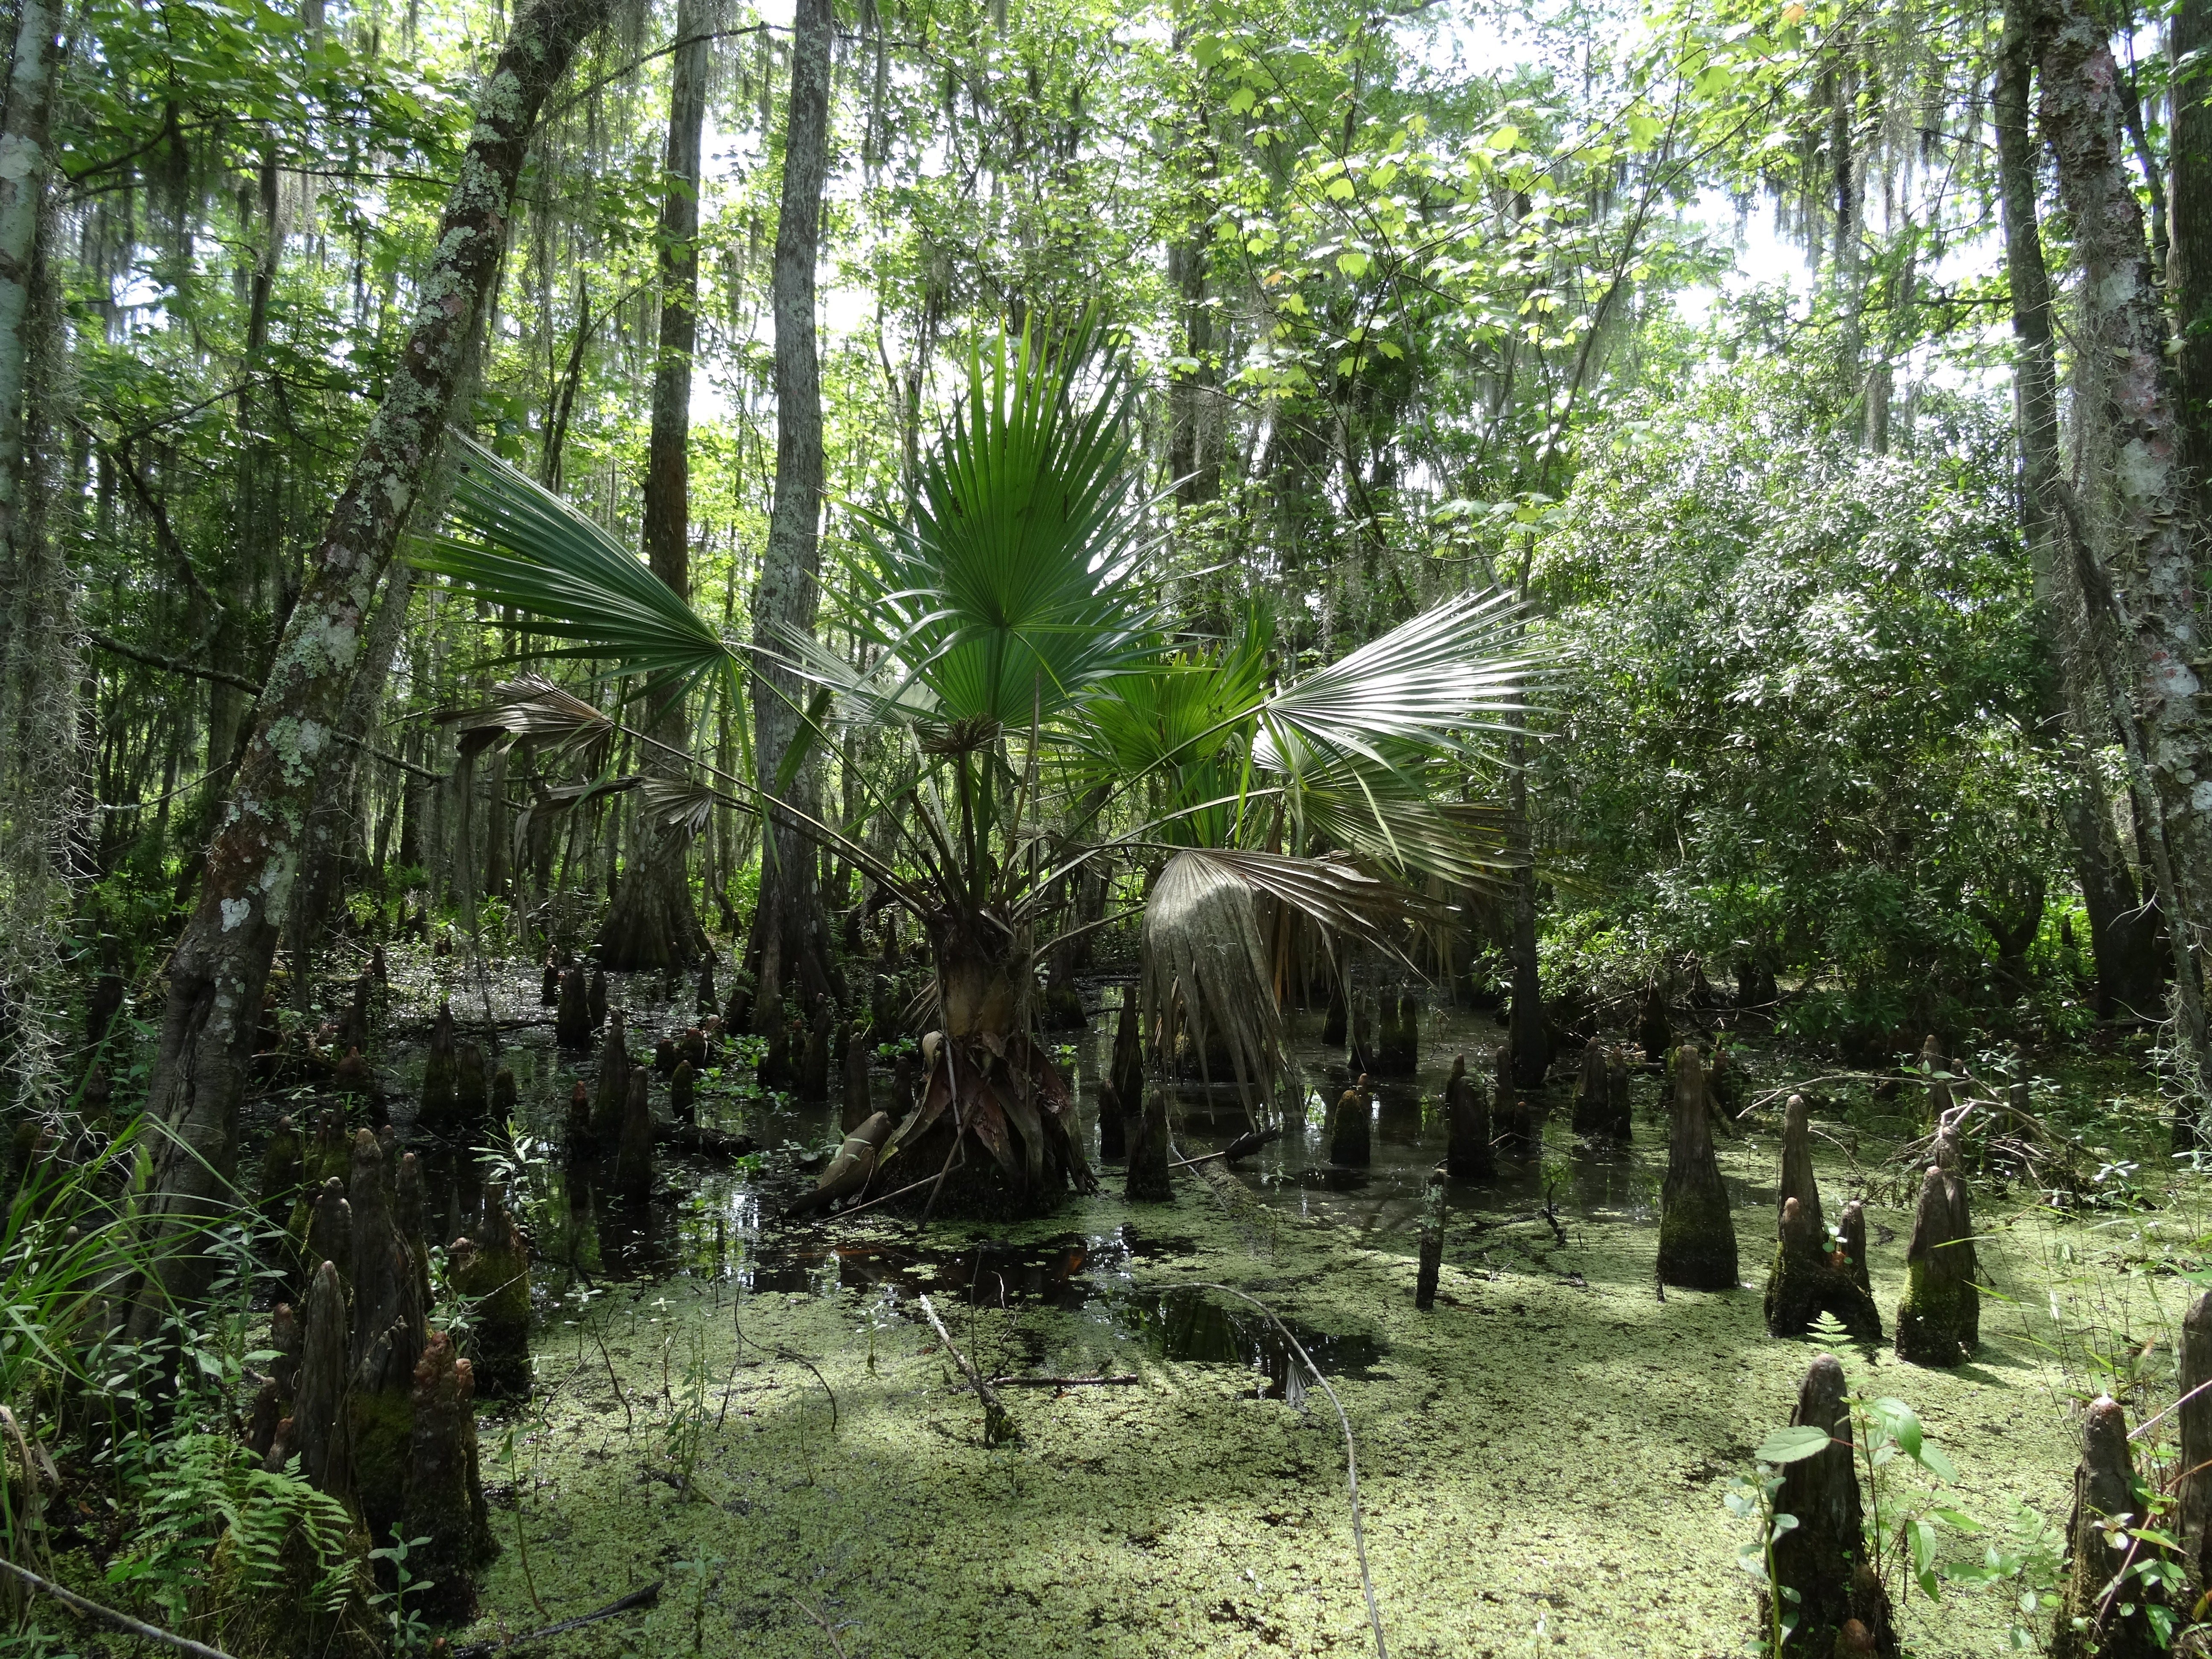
1544, 1456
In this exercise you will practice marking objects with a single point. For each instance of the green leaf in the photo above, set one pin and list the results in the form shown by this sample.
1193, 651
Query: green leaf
1793, 1445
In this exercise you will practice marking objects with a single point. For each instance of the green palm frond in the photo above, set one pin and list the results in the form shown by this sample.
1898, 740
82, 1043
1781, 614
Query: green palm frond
1004, 591
1435, 684
527, 549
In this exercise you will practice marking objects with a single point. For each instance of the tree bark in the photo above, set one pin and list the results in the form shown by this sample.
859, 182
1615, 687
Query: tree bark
2157, 638
2189, 173
791, 935
652, 922
2123, 932
23, 164
220, 966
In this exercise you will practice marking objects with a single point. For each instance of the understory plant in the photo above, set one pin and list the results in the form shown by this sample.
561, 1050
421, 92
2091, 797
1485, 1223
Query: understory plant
1044, 716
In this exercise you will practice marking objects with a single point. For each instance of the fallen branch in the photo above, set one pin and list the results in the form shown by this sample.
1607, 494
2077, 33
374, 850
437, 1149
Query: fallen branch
997, 1422
112, 1619
1243, 1146
639, 1598
1351, 1466
1064, 1382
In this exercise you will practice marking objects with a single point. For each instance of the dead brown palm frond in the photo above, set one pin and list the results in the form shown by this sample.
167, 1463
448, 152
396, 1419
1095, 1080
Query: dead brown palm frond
532, 708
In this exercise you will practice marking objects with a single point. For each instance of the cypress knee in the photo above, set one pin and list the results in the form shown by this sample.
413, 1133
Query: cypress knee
613, 1092
1468, 1155
315, 1433
579, 1136
1851, 1244
692, 1046
2103, 1613
1593, 1094
2195, 1493
737, 1011
633, 1161
682, 1093
1113, 1124
493, 1271
440, 1073
548, 983
351, 1077
1127, 1069
704, 1002
1935, 1067
282, 1170
1652, 1030
388, 1333
1616, 1083
1432, 1241
903, 1085
1333, 1022
505, 1097
664, 1055
1697, 1237
471, 1090
1818, 1559
443, 1507
330, 1225
1350, 1140
1939, 1320
572, 1023
858, 1108
1362, 1055
1148, 1181
410, 1212
595, 998
814, 1069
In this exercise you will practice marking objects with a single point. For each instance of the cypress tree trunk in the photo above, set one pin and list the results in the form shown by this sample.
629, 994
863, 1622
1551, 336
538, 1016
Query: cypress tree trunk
2123, 932
652, 923
2189, 171
790, 941
2157, 638
221, 961
23, 164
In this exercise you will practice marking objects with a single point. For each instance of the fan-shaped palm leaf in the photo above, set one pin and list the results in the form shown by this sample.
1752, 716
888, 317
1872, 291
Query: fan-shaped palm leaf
528, 549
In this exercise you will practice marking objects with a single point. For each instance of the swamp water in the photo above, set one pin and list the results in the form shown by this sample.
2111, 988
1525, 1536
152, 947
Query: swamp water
757, 1415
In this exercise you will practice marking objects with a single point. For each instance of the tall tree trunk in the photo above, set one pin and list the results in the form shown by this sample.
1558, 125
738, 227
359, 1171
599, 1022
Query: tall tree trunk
23, 163
791, 935
221, 965
2189, 170
1531, 1045
2123, 932
652, 923
2152, 596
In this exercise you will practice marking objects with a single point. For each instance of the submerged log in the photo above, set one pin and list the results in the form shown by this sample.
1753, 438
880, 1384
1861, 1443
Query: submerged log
1148, 1181
1696, 1236
1820, 1558
444, 1515
492, 1270
858, 1108
1467, 1155
851, 1170
571, 1023
633, 1158
612, 1096
1351, 1140
701, 1141
2105, 1611
1939, 1320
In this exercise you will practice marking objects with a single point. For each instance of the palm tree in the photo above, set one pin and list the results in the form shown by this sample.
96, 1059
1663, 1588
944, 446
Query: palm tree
1038, 694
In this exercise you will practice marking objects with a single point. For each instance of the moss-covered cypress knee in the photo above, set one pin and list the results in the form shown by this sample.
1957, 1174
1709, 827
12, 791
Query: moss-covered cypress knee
1696, 1236
595, 998
1938, 1319
1806, 1279
1351, 1140
1593, 1094
444, 1505
440, 1074
493, 1271
1467, 1155
571, 1023
1821, 1558
548, 983
634, 1160
471, 1087
1334, 1021
577, 1131
1616, 1083
505, 1097
683, 1093
2106, 1610
814, 1068
1148, 1180
613, 1092
283, 1169
388, 1333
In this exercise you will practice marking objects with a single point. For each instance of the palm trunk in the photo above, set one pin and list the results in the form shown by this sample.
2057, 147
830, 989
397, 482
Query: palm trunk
2122, 932
2155, 639
652, 922
220, 966
791, 935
